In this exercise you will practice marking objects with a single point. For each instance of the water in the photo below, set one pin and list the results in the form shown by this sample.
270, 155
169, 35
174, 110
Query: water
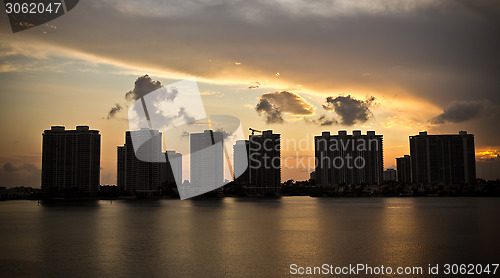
243, 237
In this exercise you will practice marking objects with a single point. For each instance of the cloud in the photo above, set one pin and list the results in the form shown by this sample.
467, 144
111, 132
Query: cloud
166, 120
143, 86
449, 40
172, 95
114, 110
349, 109
212, 93
9, 167
182, 114
488, 154
461, 111
24, 174
323, 120
272, 113
255, 85
273, 105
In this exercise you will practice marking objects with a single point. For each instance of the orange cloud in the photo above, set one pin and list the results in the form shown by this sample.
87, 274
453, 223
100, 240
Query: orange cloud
487, 154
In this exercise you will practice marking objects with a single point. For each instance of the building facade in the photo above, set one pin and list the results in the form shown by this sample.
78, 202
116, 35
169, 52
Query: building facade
171, 171
265, 163
120, 167
349, 159
241, 157
389, 175
206, 158
403, 165
443, 159
139, 171
71, 161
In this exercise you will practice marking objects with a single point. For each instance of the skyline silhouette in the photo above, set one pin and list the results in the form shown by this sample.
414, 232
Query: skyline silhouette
442, 79
139, 174
215, 138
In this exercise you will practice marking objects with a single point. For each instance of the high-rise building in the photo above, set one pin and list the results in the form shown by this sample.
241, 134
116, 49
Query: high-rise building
171, 171
139, 169
443, 159
120, 167
71, 161
404, 169
312, 176
206, 158
349, 159
265, 163
241, 154
390, 175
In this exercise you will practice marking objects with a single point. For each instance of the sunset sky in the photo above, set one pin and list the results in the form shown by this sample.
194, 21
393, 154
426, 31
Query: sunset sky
297, 67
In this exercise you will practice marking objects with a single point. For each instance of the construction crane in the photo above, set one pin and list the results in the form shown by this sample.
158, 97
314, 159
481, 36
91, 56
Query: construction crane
254, 130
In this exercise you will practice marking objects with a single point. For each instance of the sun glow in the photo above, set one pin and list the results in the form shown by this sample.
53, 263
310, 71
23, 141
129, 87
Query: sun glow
487, 154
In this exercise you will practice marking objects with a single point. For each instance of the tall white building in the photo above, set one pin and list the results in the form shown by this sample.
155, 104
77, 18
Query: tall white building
206, 158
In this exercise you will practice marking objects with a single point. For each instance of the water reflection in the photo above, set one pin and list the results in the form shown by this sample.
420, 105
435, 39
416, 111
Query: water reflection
398, 236
67, 237
237, 237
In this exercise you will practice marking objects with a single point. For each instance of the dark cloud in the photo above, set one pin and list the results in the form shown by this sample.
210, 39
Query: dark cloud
143, 86
322, 120
289, 102
9, 167
349, 109
114, 110
19, 175
325, 121
273, 105
460, 111
272, 113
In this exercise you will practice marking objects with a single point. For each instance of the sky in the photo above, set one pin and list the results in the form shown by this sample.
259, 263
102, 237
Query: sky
297, 67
